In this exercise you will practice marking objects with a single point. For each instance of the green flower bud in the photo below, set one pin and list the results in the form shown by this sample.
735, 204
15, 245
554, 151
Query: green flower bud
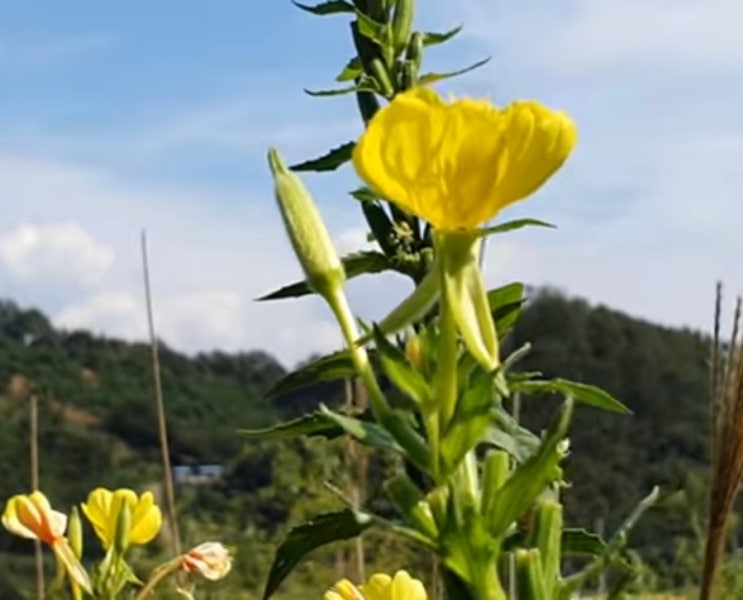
123, 529
402, 23
306, 230
75, 532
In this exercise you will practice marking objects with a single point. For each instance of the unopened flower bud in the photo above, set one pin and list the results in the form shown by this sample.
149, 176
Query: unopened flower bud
413, 351
75, 532
306, 230
123, 528
402, 23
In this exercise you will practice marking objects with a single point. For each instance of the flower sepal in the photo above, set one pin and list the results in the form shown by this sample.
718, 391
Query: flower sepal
464, 292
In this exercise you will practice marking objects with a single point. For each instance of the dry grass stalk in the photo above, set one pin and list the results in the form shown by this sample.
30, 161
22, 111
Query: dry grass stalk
160, 403
726, 441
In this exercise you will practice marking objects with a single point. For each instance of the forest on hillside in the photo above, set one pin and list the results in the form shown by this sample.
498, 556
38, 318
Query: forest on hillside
98, 427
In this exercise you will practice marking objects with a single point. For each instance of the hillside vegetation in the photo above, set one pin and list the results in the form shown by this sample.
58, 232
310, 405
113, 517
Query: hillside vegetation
98, 427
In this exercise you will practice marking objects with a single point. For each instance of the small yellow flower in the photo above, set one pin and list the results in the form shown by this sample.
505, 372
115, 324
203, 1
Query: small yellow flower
31, 516
211, 560
103, 507
456, 165
380, 587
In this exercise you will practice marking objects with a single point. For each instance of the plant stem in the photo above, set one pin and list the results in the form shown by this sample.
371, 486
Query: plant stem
445, 381
342, 311
166, 570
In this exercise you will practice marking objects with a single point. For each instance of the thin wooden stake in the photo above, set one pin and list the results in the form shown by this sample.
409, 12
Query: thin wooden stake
160, 403
34, 435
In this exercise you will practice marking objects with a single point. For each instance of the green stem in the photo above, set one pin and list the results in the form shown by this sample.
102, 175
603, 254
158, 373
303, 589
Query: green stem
445, 383
488, 586
158, 576
342, 311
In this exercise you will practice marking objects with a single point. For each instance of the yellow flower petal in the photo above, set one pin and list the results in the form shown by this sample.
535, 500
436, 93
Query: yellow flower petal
98, 510
344, 590
400, 587
103, 508
146, 520
31, 516
404, 587
456, 165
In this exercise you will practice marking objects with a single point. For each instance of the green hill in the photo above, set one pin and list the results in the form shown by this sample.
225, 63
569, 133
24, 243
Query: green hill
98, 427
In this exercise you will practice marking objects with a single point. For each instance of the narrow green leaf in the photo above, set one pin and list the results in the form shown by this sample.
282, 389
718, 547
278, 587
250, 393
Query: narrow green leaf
513, 225
580, 542
532, 477
583, 393
313, 424
365, 84
332, 7
323, 529
511, 437
359, 263
365, 194
412, 308
431, 38
506, 303
401, 373
470, 423
364, 432
328, 162
379, 33
326, 368
351, 71
429, 78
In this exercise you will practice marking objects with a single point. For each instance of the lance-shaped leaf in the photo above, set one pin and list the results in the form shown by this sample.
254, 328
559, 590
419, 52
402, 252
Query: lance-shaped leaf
469, 425
583, 393
573, 542
359, 263
311, 425
331, 367
351, 71
513, 226
365, 84
430, 78
613, 552
412, 309
379, 33
332, 7
323, 529
328, 162
532, 477
364, 432
511, 437
431, 38
400, 370
506, 303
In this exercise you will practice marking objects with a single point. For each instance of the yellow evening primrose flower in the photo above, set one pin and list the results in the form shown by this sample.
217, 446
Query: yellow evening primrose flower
104, 506
31, 516
457, 165
380, 587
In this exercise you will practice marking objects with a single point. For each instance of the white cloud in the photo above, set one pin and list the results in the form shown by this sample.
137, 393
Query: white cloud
211, 255
643, 33
54, 253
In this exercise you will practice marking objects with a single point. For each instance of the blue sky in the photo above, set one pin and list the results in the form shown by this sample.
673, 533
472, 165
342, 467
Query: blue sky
158, 115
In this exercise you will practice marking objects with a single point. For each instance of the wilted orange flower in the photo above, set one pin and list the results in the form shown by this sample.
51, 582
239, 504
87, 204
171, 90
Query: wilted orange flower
211, 560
